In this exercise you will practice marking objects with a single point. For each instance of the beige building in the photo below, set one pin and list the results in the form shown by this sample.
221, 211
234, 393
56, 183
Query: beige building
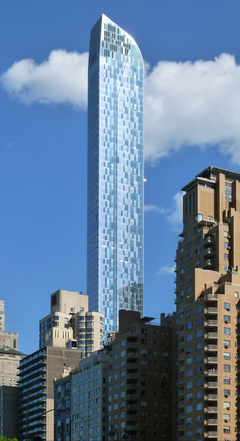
207, 298
70, 319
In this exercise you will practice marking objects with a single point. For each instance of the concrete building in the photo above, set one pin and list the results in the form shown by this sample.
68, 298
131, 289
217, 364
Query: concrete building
9, 362
8, 411
37, 373
208, 310
142, 385
88, 391
9, 339
115, 223
70, 319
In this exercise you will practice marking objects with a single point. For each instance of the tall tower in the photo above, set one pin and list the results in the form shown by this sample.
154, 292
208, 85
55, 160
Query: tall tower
207, 298
115, 173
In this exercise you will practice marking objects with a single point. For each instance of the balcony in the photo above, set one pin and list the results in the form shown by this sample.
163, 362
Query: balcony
211, 310
211, 409
211, 434
132, 396
209, 263
211, 322
211, 348
132, 417
208, 240
211, 422
211, 372
133, 355
210, 297
211, 397
132, 344
133, 375
211, 335
211, 384
210, 251
133, 386
132, 365
132, 406
132, 427
211, 360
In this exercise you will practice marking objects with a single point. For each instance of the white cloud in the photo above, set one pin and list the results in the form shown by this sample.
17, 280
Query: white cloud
155, 208
165, 270
175, 218
193, 104
186, 104
60, 79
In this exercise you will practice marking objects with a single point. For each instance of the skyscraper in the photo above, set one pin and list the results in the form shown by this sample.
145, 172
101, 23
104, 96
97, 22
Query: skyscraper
115, 173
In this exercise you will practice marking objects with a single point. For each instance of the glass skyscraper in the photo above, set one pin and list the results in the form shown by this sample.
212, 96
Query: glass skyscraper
115, 224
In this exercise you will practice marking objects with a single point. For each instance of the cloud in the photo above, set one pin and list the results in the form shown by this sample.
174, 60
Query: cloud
175, 218
165, 270
62, 78
186, 104
193, 104
155, 208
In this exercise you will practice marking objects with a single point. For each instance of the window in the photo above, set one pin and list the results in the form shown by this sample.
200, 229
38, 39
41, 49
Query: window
198, 262
199, 346
189, 279
189, 361
199, 321
189, 373
226, 343
198, 358
189, 337
226, 392
199, 333
227, 306
199, 406
181, 271
198, 251
189, 290
225, 268
188, 433
189, 313
226, 234
226, 429
226, 331
189, 245
226, 356
189, 385
190, 203
199, 308
189, 256
189, 267
225, 256
198, 240
198, 370
227, 318
226, 368
188, 420
198, 394
236, 295
181, 250
198, 419
188, 409
189, 325
198, 382
226, 380
181, 261
198, 217
188, 349
226, 405
198, 431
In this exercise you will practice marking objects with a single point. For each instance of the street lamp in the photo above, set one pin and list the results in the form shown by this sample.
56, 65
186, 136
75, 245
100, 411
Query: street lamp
113, 431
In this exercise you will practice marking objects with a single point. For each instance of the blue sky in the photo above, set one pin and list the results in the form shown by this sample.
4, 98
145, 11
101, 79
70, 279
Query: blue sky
192, 121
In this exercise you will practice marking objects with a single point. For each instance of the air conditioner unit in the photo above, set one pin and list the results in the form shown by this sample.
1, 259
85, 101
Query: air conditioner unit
228, 308
226, 421
226, 395
228, 408
226, 346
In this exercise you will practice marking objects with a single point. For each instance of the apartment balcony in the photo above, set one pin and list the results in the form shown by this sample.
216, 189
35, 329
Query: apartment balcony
211, 372
211, 434
132, 417
211, 310
132, 375
210, 251
208, 240
132, 344
211, 322
211, 297
133, 333
210, 347
132, 427
209, 263
211, 422
132, 355
211, 409
132, 396
132, 386
211, 335
132, 365
211, 360
211, 397
211, 385
180, 415
132, 406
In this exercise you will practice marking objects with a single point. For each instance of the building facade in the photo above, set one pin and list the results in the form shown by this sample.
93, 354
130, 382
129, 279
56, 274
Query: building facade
37, 373
70, 319
115, 228
8, 411
208, 309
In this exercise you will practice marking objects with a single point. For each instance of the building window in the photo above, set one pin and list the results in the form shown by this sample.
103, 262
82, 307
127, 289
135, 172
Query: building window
225, 256
236, 295
198, 217
226, 356
226, 368
227, 331
198, 240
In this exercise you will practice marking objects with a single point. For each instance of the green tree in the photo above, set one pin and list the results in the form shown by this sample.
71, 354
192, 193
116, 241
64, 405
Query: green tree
3, 438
